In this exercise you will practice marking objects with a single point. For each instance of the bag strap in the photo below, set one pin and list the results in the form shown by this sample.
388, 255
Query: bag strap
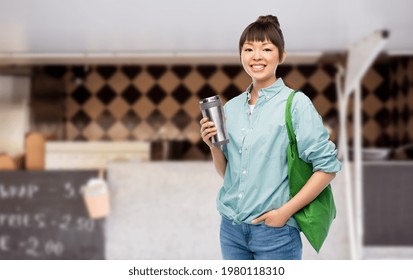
288, 120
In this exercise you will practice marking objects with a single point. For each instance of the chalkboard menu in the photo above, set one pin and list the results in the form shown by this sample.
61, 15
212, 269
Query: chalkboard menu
43, 216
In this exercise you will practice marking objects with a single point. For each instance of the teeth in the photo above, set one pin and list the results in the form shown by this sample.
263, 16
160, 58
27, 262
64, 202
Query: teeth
258, 67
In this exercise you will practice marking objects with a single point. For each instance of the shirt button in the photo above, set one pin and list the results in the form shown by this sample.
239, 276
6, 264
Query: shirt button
240, 195
240, 151
244, 172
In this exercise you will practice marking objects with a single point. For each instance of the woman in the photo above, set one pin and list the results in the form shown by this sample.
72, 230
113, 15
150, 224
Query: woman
257, 214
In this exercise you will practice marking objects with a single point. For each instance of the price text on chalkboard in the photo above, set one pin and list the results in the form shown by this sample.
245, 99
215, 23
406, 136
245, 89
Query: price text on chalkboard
43, 216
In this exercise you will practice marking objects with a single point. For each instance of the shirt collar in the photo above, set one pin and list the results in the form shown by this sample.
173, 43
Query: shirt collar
268, 92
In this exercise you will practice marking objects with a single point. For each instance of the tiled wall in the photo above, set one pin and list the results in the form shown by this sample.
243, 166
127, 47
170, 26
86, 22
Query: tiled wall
153, 102
401, 90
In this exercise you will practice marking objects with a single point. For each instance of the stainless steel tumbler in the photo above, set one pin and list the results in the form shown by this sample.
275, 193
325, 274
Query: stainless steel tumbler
211, 108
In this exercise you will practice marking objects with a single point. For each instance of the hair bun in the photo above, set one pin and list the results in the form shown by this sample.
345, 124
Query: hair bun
269, 19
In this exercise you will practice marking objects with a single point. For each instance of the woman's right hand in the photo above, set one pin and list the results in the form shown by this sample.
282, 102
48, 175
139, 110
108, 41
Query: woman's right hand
208, 130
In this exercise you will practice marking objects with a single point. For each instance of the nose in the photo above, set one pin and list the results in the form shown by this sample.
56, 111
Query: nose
257, 55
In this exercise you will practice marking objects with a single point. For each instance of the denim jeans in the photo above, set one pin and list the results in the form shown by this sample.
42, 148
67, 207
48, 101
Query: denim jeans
259, 242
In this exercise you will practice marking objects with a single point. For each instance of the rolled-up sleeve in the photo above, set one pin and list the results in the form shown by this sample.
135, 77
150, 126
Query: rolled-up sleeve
312, 137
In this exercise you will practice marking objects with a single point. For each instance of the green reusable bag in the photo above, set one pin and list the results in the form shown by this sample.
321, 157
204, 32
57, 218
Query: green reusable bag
315, 218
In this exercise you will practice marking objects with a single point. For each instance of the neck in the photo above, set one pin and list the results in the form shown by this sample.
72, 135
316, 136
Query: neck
257, 85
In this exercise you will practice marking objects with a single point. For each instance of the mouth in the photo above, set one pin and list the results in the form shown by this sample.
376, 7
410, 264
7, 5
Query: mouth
257, 67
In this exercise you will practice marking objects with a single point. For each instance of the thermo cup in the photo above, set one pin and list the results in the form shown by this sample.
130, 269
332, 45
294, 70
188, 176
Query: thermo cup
211, 108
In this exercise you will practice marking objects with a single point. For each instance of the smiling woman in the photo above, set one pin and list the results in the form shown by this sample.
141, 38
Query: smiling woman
254, 201
261, 47
260, 61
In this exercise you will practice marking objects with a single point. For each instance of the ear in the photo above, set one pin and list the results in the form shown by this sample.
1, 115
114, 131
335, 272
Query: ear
283, 58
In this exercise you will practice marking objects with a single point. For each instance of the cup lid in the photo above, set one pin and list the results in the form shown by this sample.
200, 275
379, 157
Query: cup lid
209, 99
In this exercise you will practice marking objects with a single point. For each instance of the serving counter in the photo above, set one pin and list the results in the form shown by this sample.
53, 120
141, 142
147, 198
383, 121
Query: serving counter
167, 210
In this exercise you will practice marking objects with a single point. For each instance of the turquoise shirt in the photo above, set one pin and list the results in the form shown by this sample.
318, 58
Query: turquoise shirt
256, 176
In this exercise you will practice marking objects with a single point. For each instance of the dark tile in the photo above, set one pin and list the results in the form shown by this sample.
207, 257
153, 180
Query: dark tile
181, 94
55, 71
156, 94
383, 70
405, 86
206, 71
404, 61
395, 117
383, 117
231, 70
181, 119
131, 71
394, 90
393, 65
284, 70
181, 70
106, 120
80, 72
231, 91
382, 92
405, 114
364, 118
131, 119
364, 92
106, 94
156, 71
80, 120
395, 141
330, 70
332, 116
81, 95
309, 90
206, 91
330, 93
106, 71
406, 139
307, 70
383, 140
156, 119
131, 94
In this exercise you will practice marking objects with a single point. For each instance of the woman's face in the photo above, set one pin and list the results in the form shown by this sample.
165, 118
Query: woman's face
260, 60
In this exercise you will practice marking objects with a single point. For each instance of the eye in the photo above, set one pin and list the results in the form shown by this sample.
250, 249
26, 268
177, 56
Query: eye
247, 50
268, 50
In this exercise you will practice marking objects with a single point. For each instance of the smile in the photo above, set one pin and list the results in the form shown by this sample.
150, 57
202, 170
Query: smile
257, 67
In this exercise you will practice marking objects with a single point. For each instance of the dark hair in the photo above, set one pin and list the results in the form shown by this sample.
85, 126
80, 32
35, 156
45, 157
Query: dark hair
264, 28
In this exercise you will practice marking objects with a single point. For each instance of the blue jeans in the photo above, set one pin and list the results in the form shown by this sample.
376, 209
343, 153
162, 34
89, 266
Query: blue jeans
259, 242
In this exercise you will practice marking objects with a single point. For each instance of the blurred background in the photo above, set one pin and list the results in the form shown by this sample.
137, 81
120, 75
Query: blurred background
115, 86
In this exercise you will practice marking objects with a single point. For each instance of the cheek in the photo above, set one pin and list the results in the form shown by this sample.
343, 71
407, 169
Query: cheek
274, 61
244, 63
244, 58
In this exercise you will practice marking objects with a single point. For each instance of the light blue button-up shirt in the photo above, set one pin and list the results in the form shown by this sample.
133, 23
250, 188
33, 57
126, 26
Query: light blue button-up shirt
256, 176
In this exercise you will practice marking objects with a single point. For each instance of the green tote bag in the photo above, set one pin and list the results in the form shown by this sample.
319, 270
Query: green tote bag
315, 218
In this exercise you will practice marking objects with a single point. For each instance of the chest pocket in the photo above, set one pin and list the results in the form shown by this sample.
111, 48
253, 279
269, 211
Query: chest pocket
273, 141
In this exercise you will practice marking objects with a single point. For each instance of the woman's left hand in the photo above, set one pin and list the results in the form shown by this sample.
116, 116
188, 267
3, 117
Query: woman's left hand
273, 218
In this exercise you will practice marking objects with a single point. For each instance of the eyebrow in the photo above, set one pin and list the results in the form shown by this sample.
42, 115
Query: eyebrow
267, 43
